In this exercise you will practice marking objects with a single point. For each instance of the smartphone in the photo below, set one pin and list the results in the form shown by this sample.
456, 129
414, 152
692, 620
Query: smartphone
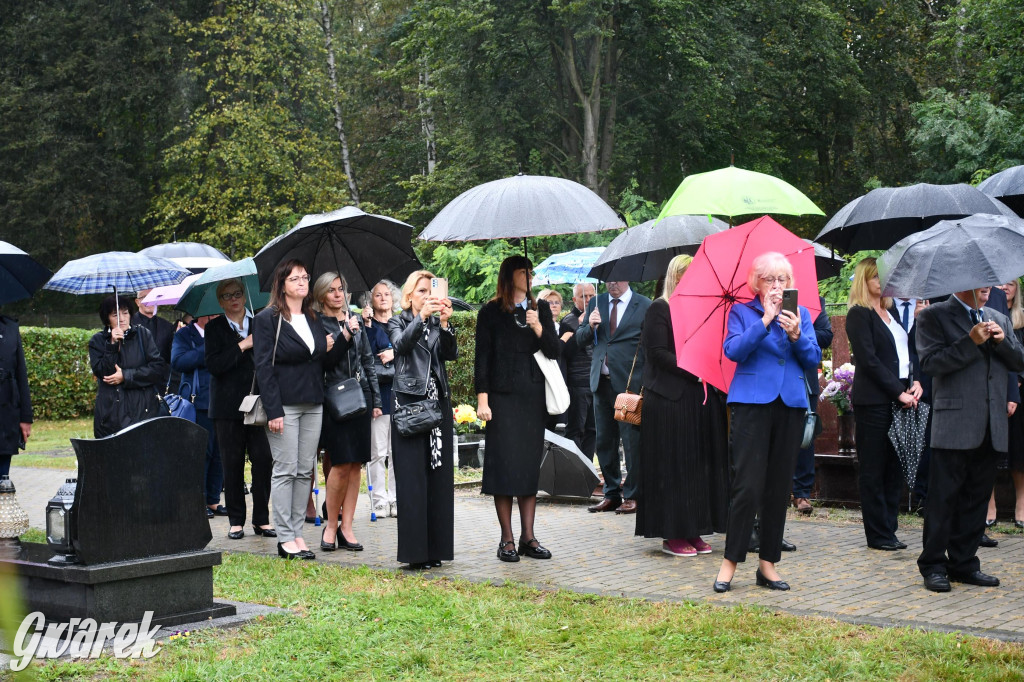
439, 287
789, 297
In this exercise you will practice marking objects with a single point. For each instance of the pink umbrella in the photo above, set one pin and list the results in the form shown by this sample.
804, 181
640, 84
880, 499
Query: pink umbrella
169, 295
717, 278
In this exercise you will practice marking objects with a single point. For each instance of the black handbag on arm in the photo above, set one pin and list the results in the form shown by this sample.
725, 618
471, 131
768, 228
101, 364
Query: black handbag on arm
345, 399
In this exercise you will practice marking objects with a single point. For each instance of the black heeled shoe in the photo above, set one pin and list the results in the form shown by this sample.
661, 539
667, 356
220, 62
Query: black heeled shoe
236, 534
265, 532
722, 585
770, 584
306, 554
507, 554
285, 554
328, 547
537, 552
345, 544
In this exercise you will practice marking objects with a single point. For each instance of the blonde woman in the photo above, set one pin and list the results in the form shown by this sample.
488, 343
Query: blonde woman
684, 456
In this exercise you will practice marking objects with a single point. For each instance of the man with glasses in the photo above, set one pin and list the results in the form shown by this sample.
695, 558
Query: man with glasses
579, 419
614, 322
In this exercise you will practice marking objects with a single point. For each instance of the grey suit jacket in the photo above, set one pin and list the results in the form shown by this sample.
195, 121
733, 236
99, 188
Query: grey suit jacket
968, 380
620, 348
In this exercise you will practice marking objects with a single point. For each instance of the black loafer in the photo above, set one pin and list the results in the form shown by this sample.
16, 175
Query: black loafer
990, 522
986, 541
770, 584
976, 578
722, 585
219, 510
936, 582
307, 555
209, 513
788, 546
509, 555
434, 563
236, 534
265, 532
534, 552
888, 546
1018, 524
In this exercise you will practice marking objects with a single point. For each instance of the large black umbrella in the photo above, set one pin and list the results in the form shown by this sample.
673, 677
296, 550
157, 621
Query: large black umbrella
826, 262
1007, 186
20, 275
192, 256
886, 215
564, 470
363, 247
642, 253
908, 434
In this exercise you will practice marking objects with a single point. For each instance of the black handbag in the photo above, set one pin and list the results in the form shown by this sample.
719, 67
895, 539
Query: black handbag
811, 419
345, 399
416, 418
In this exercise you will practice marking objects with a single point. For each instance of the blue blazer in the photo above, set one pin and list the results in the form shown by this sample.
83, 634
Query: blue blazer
768, 364
188, 356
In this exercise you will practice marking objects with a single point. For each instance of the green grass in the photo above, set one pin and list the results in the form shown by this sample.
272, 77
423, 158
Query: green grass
364, 624
49, 436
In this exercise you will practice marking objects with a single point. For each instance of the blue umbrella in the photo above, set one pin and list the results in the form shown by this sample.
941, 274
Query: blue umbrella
20, 275
201, 297
570, 267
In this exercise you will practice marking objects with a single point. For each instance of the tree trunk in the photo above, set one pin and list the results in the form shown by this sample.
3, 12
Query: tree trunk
339, 121
427, 118
610, 83
587, 90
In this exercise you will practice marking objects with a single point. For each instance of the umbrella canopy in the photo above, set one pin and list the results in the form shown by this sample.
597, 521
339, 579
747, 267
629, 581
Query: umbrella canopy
570, 267
734, 191
1007, 186
564, 470
886, 215
826, 262
717, 278
642, 253
908, 434
191, 255
201, 297
521, 206
117, 270
363, 247
171, 294
954, 255
20, 274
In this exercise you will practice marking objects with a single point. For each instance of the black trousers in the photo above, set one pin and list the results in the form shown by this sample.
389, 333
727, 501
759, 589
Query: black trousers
959, 485
235, 440
881, 479
763, 444
579, 420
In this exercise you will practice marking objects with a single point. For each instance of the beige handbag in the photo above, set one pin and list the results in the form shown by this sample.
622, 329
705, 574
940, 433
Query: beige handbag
629, 405
251, 408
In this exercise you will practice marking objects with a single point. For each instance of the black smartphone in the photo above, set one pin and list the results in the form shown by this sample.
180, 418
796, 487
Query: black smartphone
789, 297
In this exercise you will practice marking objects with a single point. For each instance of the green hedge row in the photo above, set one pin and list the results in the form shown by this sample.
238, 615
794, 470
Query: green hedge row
59, 376
460, 372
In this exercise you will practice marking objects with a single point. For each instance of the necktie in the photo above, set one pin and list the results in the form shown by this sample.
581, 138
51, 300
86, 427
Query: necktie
975, 316
906, 317
613, 323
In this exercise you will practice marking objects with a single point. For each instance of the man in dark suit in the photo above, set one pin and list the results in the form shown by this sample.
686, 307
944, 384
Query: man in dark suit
614, 322
579, 419
161, 329
967, 350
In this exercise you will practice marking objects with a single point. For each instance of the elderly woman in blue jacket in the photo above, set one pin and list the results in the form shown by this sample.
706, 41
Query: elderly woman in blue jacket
767, 398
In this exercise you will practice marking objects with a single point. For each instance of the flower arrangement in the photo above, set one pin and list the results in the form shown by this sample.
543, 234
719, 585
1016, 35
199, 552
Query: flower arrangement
466, 420
839, 388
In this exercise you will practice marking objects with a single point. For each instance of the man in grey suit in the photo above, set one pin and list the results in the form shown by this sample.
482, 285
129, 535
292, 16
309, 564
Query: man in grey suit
614, 321
967, 349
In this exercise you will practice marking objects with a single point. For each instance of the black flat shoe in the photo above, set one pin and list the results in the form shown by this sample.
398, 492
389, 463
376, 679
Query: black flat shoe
534, 552
285, 554
209, 513
345, 544
788, 546
419, 566
306, 555
219, 510
434, 563
770, 584
990, 522
1018, 524
888, 546
310, 519
328, 547
507, 554
722, 585
265, 532
236, 534
986, 541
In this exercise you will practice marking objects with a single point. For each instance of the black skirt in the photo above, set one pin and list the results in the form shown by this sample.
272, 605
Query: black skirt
347, 441
514, 441
684, 465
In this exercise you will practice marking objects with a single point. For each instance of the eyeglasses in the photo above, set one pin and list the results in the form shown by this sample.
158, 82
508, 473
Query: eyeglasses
298, 278
233, 296
771, 281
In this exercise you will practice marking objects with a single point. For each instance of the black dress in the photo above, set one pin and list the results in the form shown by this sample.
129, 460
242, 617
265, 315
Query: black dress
349, 441
506, 371
1015, 450
684, 453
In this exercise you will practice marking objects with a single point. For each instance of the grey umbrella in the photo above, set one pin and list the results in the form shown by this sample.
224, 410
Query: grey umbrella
521, 206
642, 253
954, 255
886, 215
1007, 186
192, 256
20, 275
564, 470
908, 433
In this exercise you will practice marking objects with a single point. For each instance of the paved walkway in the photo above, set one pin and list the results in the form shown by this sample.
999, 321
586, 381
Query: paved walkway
833, 573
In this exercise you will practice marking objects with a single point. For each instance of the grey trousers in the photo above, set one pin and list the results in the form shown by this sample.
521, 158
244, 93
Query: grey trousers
294, 453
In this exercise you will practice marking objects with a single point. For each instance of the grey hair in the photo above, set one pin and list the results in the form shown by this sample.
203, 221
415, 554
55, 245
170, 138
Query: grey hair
396, 295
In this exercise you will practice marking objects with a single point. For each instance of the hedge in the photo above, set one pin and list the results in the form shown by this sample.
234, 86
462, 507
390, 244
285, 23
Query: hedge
59, 377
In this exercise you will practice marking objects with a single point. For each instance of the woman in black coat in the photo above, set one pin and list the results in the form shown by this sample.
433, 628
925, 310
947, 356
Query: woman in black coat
229, 359
885, 365
423, 340
15, 403
510, 398
128, 368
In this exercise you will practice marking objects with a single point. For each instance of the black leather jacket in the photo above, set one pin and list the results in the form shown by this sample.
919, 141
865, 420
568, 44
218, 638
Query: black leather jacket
420, 348
358, 363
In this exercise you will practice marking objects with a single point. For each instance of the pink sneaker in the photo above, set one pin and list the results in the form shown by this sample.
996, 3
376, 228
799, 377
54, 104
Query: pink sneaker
678, 548
699, 545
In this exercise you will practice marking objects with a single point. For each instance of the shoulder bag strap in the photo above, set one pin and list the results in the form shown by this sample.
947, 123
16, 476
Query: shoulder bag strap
632, 367
273, 356
811, 397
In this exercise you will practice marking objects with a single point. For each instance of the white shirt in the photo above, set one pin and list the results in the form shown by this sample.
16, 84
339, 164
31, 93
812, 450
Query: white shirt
899, 335
898, 304
243, 329
619, 308
301, 326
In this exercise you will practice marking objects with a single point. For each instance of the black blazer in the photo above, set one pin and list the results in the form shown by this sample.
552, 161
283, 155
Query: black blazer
421, 349
297, 376
661, 373
231, 370
504, 350
877, 380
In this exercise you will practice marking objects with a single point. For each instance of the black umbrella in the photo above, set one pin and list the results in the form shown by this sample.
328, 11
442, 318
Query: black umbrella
642, 253
192, 256
564, 470
886, 215
1007, 186
908, 433
20, 275
363, 247
826, 262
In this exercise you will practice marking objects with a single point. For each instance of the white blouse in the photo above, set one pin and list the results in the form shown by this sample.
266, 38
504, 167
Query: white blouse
899, 335
301, 326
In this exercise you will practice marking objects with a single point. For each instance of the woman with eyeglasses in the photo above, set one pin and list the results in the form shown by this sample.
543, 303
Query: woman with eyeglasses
291, 348
510, 328
768, 399
229, 359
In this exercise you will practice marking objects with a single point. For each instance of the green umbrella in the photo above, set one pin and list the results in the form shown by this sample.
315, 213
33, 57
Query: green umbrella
733, 191
201, 297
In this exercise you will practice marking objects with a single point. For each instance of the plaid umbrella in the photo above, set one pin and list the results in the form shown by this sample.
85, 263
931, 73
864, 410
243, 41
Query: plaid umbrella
101, 272
907, 433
